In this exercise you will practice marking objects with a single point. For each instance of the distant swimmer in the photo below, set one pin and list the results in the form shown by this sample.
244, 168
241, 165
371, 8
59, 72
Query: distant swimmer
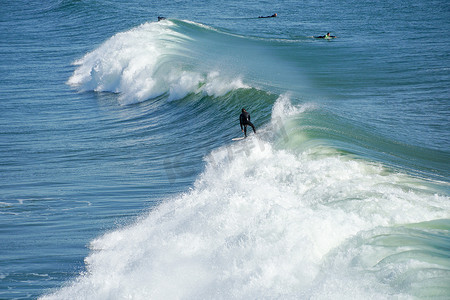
326, 36
161, 18
272, 16
244, 120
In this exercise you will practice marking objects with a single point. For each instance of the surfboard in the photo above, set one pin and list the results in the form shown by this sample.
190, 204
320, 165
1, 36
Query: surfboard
238, 139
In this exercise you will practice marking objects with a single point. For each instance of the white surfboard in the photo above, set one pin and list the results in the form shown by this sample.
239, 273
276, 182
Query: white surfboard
238, 139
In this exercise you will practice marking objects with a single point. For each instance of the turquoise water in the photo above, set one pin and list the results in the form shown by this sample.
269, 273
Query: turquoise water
119, 178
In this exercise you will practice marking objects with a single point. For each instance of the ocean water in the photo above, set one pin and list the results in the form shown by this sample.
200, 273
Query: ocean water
119, 178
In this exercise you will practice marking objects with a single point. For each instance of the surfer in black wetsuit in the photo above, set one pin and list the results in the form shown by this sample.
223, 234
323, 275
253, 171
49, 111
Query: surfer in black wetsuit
244, 120
272, 16
326, 36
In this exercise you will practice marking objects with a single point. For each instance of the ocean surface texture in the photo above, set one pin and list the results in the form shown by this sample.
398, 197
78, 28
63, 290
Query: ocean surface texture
119, 178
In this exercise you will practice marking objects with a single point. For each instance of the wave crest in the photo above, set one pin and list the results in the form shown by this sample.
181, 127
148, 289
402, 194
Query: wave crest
146, 62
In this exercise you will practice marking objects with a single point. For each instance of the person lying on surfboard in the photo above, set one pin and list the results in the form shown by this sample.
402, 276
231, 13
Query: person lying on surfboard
272, 16
326, 36
244, 120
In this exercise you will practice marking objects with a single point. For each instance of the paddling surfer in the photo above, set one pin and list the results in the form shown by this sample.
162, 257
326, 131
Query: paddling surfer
326, 36
272, 16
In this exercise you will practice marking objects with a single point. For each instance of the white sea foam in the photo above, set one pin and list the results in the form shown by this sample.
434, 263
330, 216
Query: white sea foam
261, 223
283, 108
146, 62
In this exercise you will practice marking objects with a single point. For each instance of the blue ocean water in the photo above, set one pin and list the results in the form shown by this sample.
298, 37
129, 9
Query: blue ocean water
119, 177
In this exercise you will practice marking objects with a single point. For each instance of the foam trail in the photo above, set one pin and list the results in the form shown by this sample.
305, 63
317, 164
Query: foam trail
146, 62
264, 223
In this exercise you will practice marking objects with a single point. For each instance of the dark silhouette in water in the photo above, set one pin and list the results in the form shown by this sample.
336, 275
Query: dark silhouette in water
272, 16
326, 36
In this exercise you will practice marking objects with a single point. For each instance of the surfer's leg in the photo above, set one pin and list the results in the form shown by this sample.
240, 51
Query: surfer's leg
253, 127
245, 130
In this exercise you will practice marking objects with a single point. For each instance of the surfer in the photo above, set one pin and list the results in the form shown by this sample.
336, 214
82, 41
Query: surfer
161, 18
244, 120
326, 36
272, 16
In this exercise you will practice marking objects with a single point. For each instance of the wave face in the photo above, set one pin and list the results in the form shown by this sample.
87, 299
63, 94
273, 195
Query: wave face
263, 222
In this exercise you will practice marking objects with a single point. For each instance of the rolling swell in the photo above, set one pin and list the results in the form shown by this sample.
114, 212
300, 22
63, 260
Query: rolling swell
324, 126
176, 58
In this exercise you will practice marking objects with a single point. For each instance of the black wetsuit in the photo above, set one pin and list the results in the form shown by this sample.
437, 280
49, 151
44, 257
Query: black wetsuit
244, 120
272, 16
325, 37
